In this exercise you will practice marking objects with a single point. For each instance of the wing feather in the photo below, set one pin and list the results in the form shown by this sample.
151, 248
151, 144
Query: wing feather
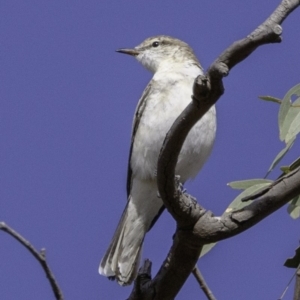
137, 117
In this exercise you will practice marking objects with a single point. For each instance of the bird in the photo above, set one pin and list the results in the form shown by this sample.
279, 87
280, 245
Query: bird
174, 67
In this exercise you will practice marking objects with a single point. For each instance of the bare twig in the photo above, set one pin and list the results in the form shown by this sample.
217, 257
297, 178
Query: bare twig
203, 285
297, 287
40, 256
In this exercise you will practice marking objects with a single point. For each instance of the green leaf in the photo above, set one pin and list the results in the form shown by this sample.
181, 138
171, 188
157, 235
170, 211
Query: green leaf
285, 116
295, 164
280, 156
294, 212
294, 128
293, 262
284, 108
285, 169
294, 208
238, 204
244, 184
206, 248
270, 98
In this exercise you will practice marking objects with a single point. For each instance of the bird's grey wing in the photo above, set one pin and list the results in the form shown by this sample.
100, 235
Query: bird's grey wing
137, 117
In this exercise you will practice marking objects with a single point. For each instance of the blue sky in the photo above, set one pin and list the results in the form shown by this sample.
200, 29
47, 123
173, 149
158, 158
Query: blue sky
67, 103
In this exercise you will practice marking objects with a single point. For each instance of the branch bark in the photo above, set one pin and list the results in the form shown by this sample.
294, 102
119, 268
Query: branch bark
297, 286
40, 256
196, 226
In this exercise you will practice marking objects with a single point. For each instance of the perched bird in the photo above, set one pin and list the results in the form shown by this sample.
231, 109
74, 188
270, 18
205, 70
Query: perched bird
175, 67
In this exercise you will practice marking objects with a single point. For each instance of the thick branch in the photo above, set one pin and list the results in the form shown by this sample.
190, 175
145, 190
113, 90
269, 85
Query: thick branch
188, 242
212, 229
40, 256
195, 227
207, 90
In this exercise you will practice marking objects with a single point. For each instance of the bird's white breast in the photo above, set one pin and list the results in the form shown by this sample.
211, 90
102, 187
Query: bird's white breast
170, 94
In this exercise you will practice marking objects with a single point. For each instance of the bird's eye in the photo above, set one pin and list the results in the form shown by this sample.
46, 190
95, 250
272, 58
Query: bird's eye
155, 44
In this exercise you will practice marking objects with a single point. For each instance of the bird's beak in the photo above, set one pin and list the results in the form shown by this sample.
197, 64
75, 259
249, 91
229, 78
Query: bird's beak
132, 52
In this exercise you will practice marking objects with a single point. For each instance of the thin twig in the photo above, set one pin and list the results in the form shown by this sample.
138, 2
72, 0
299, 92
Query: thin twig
40, 256
288, 285
203, 285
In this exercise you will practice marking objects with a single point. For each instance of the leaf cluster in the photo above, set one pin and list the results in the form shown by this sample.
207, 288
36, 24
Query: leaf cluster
289, 128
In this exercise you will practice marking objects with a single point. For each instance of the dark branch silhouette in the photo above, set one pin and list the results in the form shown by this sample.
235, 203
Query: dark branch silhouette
196, 226
40, 256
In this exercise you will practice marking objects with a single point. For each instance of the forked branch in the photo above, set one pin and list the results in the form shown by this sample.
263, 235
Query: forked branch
195, 226
40, 256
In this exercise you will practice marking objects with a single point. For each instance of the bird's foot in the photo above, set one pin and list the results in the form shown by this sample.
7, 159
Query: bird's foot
181, 188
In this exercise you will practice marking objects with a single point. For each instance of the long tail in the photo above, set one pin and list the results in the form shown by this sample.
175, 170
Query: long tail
122, 257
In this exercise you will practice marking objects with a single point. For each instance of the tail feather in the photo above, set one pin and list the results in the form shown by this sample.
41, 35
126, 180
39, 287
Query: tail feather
123, 255
122, 258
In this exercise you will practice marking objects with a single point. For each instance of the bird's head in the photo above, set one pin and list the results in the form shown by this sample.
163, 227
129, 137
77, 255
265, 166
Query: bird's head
160, 50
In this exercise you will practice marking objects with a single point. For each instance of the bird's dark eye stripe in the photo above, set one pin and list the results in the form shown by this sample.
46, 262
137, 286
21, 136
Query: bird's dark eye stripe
155, 44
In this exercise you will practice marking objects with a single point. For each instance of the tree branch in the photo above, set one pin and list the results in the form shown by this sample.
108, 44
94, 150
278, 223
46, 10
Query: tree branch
195, 226
203, 285
297, 286
207, 90
40, 256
